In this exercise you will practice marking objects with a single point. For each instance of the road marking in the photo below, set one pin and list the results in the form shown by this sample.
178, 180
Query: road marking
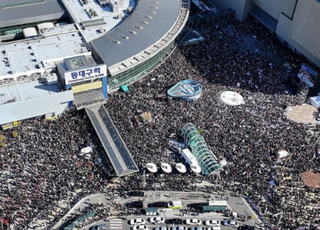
116, 224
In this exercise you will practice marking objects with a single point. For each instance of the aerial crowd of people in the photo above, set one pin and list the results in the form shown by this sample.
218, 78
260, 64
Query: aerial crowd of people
248, 59
41, 170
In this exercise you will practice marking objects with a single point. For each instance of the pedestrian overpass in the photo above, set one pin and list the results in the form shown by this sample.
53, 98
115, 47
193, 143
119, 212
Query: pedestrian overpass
117, 151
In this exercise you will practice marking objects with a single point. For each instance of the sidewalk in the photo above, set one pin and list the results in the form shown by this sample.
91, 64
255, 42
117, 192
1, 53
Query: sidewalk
93, 199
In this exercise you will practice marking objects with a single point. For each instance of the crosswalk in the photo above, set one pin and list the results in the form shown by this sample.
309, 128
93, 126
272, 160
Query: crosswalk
115, 224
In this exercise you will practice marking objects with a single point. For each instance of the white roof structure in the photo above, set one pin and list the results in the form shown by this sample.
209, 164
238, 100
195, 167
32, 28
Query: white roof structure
181, 168
315, 101
38, 55
187, 155
166, 167
231, 98
152, 167
51, 104
30, 32
195, 168
102, 19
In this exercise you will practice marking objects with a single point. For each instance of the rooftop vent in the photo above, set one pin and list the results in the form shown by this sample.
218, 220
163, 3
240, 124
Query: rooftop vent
117, 42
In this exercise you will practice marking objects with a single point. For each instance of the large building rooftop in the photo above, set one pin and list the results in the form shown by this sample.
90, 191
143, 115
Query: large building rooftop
17, 12
37, 55
147, 25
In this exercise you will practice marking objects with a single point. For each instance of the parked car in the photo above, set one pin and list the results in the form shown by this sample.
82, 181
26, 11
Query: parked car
157, 220
140, 227
230, 223
214, 223
137, 221
193, 222
175, 221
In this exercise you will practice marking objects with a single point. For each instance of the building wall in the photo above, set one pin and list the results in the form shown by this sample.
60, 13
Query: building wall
242, 7
298, 21
275, 7
303, 32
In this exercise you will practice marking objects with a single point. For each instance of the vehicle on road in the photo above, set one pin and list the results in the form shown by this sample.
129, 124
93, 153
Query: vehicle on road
140, 227
160, 204
175, 221
135, 204
213, 228
193, 222
197, 228
230, 223
156, 220
98, 227
179, 228
213, 223
196, 205
137, 221
161, 228
247, 227
175, 204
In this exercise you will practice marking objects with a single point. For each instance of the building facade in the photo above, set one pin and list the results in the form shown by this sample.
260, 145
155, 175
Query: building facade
296, 22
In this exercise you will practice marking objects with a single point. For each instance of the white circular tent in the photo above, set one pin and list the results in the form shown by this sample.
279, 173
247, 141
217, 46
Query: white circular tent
195, 168
181, 168
166, 167
231, 98
152, 167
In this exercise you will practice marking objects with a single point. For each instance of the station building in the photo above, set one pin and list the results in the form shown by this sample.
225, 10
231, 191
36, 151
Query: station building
64, 53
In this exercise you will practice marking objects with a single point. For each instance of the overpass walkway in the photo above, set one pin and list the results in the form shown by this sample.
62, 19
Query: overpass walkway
116, 149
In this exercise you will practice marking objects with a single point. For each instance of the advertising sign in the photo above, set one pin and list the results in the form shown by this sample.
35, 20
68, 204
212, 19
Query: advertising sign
84, 74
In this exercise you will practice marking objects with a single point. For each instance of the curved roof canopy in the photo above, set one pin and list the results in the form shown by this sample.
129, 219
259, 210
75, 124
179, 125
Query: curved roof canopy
149, 23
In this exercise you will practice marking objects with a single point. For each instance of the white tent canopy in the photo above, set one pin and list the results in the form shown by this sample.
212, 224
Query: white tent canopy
166, 167
181, 168
195, 168
152, 167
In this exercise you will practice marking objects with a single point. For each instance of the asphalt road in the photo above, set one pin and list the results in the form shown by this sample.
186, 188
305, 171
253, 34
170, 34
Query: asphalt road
236, 204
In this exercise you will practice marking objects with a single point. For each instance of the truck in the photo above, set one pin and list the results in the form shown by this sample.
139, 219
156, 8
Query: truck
175, 204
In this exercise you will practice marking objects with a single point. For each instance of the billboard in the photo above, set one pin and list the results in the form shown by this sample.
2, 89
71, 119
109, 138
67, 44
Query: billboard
84, 74
307, 75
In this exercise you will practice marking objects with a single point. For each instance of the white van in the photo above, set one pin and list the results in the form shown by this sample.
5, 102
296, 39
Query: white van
214, 228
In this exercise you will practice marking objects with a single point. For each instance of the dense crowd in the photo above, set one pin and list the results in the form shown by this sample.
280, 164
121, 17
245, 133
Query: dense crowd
42, 170
248, 59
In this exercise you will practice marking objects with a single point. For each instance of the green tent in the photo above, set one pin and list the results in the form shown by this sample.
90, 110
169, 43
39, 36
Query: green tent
124, 88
